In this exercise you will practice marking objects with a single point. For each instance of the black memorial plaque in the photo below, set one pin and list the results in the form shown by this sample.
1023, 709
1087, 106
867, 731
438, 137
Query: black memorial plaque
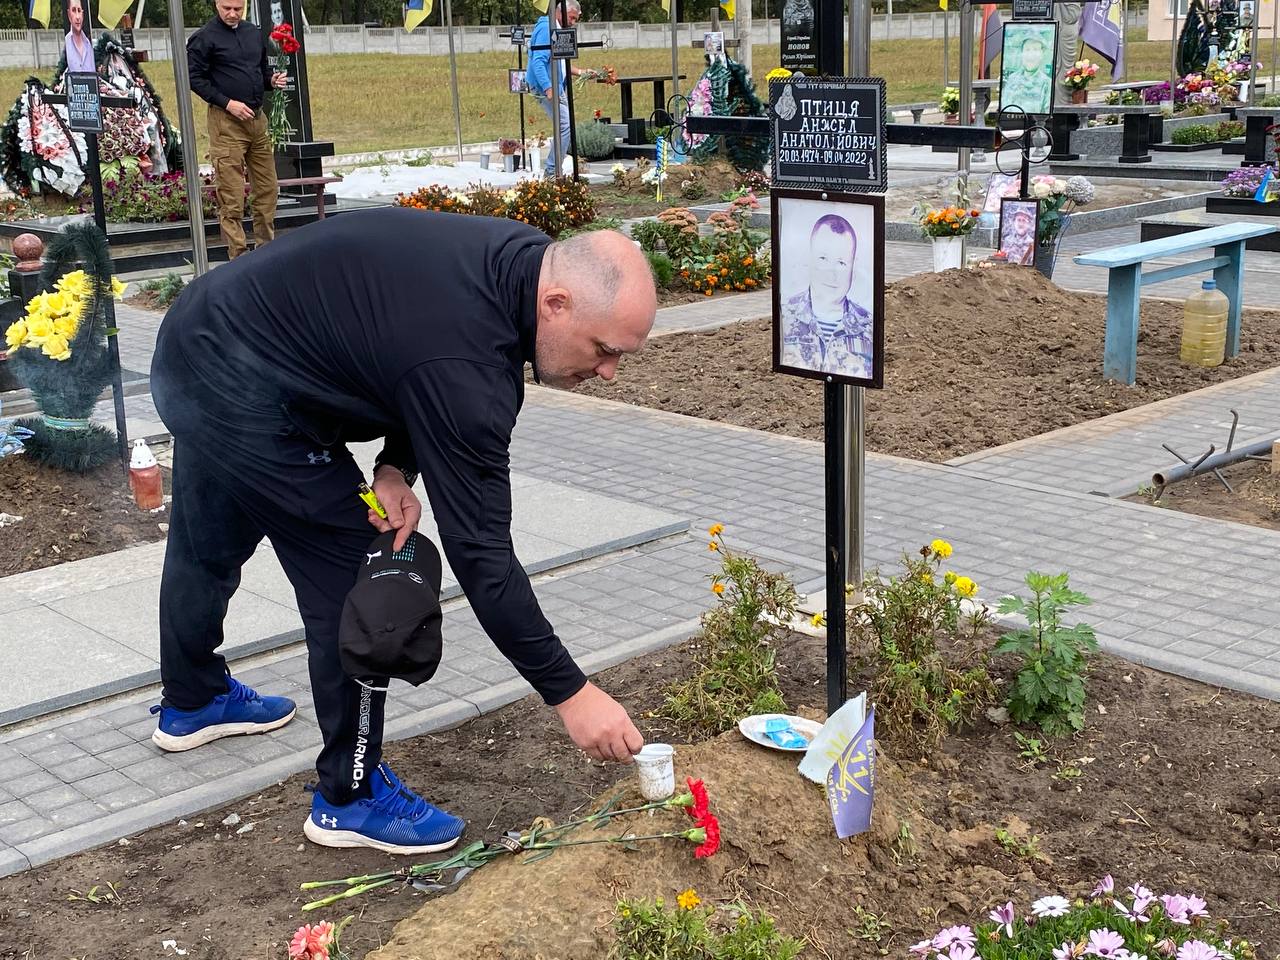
564, 43
84, 103
828, 133
126, 37
517, 36
1033, 9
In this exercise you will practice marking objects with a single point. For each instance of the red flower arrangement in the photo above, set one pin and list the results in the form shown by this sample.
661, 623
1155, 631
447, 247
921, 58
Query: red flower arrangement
286, 45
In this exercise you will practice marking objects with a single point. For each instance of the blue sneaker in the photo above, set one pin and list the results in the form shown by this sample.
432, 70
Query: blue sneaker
240, 710
394, 819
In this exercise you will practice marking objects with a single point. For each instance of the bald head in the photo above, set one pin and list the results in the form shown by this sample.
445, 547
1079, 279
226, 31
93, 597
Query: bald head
596, 302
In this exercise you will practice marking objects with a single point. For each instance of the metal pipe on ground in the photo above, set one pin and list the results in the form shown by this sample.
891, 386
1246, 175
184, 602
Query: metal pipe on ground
1210, 463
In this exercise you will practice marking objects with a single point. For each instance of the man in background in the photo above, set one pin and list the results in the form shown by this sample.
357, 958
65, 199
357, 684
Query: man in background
230, 72
539, 78
822, 329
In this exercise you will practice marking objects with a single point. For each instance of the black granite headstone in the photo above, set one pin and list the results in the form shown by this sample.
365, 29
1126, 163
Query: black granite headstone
813, 36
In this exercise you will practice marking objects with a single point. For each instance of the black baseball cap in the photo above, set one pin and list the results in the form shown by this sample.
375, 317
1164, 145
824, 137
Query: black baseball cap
391, 619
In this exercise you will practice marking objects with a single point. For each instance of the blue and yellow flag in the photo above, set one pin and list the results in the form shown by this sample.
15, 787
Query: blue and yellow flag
415, 11
110, 12
728, 7
38, 10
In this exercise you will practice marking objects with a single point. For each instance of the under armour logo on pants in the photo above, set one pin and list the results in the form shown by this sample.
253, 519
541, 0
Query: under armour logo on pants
322, 457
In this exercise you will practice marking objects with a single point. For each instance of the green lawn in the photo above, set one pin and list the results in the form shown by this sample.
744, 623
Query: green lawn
366, 102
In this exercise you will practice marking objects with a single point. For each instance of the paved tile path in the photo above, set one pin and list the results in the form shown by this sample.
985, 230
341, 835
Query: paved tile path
1187, 594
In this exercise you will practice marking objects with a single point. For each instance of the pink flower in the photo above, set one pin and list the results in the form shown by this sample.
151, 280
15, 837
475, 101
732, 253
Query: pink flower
1004, 916
1106, 886
1196, 906
1137, 913
1167, 947
923, 948
1175, 908
1069, 950
1141, 893
962, 951
953, 935
1105, 943
1197, 950
311, 942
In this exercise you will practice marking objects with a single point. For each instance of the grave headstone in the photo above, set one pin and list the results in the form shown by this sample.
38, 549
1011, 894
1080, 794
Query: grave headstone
564, 43
1033, 9
813, 36
84, 103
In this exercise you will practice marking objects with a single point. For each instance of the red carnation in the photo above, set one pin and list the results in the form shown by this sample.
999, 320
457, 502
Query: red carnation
701, 805
711, 825
290, 45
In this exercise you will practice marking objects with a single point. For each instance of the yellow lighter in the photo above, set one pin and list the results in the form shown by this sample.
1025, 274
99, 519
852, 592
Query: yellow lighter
371, 498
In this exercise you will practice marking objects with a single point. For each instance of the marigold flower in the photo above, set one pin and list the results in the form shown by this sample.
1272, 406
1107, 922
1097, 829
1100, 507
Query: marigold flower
717, 588
818, 620
713, 546
965, 587
688, 899
716, 529
940, 548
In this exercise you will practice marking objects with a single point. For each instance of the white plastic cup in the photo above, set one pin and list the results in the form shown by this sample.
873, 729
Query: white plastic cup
656, 767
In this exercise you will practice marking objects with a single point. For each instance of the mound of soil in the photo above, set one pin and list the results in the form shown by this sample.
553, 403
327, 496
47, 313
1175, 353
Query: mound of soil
973, 359
1178, 785
67, 516
1254, 499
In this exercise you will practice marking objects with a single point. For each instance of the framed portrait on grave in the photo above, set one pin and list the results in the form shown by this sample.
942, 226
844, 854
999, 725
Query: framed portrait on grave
999, 186
1027, 66
517, 81
828, 285
78, 43
1019, 223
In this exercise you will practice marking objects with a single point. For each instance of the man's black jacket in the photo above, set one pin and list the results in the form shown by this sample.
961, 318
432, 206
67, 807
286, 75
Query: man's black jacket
227, 64
406, 325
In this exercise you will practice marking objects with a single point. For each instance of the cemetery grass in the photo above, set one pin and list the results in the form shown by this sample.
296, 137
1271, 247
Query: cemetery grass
371, 102
67, 516
1136, 794
1255, 500
974, 359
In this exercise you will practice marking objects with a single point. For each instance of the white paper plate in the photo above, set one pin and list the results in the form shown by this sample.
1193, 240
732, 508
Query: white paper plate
753, 729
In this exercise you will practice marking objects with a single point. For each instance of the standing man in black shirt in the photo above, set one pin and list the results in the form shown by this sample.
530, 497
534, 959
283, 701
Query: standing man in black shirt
229, 71
410, 326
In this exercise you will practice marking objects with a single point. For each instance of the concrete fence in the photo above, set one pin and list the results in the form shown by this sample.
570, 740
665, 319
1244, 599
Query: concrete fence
40, 49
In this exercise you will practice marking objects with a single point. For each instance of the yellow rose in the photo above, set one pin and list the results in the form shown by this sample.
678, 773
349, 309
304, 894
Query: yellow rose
39, 329
66, 326
15, 334
76, 283
940, 548
117, 288
965, 587
57, 348
56, 304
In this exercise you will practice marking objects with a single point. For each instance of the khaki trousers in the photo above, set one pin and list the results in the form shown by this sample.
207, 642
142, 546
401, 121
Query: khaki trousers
235, 145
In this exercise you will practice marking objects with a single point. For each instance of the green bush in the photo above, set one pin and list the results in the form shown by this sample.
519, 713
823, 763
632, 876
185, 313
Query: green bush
164, 290
651, 931
1195, 133
1049, 689
734, 660
914, 632
664, 271
595, 140
1230, 129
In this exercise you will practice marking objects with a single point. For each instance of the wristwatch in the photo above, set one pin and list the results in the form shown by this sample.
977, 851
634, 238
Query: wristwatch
410, 478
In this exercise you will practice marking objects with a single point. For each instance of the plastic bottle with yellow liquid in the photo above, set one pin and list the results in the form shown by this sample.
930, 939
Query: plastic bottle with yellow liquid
1204, 326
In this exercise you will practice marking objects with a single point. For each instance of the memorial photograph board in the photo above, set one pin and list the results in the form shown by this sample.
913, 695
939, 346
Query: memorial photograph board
517, 80
1026, 66
1019, 223
800, 50
828, 133
828, 286
78, 42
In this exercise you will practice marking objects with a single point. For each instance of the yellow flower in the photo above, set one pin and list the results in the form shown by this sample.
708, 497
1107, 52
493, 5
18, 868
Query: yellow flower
949, 577
926, 576
818, 620
965, 587
716, 529
940, 548
15, 334
713, 547
717, 588
117, 288
688, 900
66, 326
57, 348
39, 329
626, 912
76, 283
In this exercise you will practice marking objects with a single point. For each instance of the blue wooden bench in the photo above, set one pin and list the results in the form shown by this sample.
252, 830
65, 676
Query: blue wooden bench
1126, 280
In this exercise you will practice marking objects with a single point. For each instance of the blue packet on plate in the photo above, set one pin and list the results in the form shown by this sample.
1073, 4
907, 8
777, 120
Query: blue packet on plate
780, 731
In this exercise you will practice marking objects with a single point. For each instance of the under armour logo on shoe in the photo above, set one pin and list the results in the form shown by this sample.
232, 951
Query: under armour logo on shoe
321, 457
326, 821
372, 557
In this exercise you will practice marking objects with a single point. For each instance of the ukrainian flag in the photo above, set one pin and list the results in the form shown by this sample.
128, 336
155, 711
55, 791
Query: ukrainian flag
415, 11
728, 6
110, 12
38, 10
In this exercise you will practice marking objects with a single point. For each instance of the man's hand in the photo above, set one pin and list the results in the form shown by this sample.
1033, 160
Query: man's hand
398, 499
278, 80
239, 110
550, 93
599, 725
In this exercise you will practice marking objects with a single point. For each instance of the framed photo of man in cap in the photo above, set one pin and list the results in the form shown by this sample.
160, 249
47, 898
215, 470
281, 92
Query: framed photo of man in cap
1019, 222
828, 289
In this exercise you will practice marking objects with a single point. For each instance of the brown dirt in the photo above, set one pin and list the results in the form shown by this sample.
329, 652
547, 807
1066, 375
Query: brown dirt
1256, 499
67, 516
899, 201
973, 359
636, 199
1149, 803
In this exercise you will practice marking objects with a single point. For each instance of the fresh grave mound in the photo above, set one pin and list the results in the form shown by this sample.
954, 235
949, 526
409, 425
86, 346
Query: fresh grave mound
778, 851
973, 359
68, 516
1254, 497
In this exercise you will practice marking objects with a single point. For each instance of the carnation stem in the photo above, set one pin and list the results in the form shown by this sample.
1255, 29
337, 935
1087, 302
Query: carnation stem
353, 892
